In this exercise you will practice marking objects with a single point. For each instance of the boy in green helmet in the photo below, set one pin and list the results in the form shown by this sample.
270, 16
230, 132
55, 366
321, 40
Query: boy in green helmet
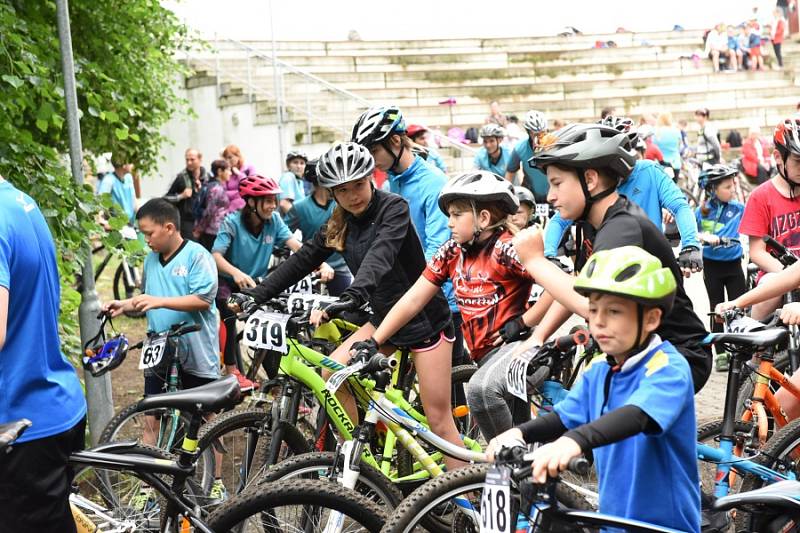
634, 406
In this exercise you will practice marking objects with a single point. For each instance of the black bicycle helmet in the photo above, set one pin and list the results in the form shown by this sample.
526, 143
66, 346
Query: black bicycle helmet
376, 124
585, 146
310, 173
715, 174
343, 163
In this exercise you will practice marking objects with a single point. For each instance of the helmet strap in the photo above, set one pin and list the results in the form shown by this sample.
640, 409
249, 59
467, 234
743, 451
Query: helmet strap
395, 156
590, 200
782, 173
477, 230
639, 344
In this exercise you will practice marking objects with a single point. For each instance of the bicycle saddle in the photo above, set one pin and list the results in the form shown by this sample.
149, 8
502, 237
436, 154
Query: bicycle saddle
213, 396
753, 339
784, 495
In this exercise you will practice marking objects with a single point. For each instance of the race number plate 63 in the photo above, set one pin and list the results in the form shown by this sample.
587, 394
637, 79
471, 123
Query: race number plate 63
153, 351
266, 330
496, 501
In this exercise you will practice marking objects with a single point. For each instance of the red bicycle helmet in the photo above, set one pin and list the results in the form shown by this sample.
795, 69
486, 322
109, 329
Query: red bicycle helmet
415, 129
787, 137
255, 186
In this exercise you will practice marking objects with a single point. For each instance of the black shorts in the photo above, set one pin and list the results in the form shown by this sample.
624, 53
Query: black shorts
446, 334
154, 384
35, 481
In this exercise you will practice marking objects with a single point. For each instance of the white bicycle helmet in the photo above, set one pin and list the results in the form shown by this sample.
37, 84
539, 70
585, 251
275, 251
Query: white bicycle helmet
493, 130
343, 163
535, 121
621, 124
480, 186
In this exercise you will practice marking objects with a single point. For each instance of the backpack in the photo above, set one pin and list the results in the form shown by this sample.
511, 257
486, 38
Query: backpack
200, 199
471, 135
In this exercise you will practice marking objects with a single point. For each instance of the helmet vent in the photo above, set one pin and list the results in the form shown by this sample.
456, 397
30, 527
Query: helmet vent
627, 273
590, 268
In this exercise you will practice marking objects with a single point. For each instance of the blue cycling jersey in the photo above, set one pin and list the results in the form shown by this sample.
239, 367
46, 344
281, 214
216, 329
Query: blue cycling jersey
535, 180
481, 161
723, 221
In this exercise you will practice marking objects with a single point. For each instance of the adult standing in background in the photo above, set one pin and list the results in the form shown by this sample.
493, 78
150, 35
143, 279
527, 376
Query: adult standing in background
119, 184
187, 183
239, 171
668, 140
708, 147
496, 116
778, 30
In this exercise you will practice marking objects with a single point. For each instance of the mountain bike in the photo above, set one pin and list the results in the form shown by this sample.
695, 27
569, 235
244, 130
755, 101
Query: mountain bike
112, 477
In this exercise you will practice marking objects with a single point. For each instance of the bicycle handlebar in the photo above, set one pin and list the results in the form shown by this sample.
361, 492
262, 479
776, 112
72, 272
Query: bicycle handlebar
779, 251
176, 330
519, 454
11, 431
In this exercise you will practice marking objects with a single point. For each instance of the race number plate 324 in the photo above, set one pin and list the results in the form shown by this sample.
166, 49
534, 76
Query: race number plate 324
496, 501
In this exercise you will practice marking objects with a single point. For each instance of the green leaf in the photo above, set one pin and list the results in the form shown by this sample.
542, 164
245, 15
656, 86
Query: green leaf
121, 133
112, 116
42, 124
14, 81
93, 111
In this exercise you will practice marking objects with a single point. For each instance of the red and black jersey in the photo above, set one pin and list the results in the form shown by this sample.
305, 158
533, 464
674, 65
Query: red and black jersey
490, 284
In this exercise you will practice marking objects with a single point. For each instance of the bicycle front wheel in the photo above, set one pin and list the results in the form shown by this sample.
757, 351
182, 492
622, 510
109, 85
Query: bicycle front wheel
122, 501
303, 505
434, 502
170, 428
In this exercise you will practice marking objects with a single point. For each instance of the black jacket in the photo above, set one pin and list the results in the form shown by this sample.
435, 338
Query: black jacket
183, 181
383, 252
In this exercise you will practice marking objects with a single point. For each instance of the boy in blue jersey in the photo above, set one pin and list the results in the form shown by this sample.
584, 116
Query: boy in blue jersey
119, 184
293, 188
179, 285
493, 157
35, 376
633, 408
534, 179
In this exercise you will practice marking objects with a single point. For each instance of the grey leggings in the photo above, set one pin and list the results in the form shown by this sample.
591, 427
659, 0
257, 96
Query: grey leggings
494, 408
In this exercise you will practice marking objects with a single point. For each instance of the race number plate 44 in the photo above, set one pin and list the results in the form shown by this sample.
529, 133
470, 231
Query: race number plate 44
153, 351
266, 330
496, 501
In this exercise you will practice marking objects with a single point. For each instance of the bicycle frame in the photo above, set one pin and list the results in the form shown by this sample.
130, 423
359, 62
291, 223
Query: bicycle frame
148, 469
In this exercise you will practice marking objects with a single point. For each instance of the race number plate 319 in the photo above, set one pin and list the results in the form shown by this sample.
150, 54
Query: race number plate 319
496, 501
267, 331
153, 351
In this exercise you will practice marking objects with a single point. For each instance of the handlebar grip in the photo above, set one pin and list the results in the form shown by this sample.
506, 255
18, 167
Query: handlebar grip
187, 329
566, 342
514, 454
579, 465
380, 362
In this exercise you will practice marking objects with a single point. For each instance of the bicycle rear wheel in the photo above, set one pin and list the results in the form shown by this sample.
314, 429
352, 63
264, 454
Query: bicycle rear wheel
303, 505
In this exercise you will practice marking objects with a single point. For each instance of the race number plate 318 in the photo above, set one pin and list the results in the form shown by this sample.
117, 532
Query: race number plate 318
496, 501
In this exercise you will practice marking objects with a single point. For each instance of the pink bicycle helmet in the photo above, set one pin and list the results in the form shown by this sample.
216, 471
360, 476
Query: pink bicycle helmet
255, 186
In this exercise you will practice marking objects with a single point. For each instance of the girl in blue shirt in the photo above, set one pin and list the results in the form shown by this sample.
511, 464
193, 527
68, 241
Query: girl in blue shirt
242, 251
717, 219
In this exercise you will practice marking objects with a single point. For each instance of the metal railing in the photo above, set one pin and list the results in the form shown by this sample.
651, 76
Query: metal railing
298, 93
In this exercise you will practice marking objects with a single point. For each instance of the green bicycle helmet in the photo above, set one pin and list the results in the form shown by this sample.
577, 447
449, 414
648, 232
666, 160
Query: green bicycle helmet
628, 272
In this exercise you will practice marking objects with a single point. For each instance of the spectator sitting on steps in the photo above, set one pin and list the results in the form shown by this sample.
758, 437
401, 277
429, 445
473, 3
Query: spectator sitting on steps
496, 116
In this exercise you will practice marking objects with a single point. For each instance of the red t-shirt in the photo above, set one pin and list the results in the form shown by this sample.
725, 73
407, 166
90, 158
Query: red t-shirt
491, 287
768, 212
653, 153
